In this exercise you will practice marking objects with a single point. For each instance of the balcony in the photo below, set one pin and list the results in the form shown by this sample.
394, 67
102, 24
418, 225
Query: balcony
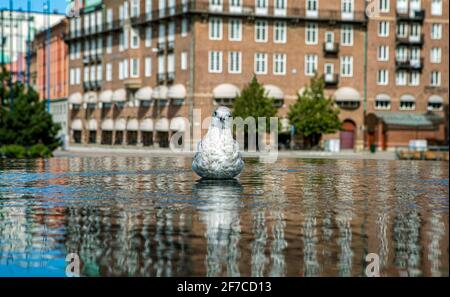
331, 48
161, 46
412, 15
171, 46
417, 40
160, 79
170, 77
331, 79
410, 64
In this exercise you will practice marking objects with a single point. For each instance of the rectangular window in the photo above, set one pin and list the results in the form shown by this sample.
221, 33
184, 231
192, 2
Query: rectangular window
402, 30
126, 36
402, 6
109, 17
260, 63
280, 7
236, 6
184, 27
148, 36
135, 38
401, 78
347, 35
279, 64
78, 76
93, 72
148, 9
215, 28
72, 77
184, 60
109, 72
125, 69
436, 55
436, 7
99, 72
135, 8
121, 41
279, 32
99, 21
383, 5
347, 8
134, 67
346, 66
414, 78
311, 62
261, 31
436, 31
161, 65
261, 6
383, 77
148, 67
86, 74
171, 63
383, 53
435, 79
312, 8
109, 44
99, 45
383, 29
312, 31
401, 54
234, 62
235, 30
215, 62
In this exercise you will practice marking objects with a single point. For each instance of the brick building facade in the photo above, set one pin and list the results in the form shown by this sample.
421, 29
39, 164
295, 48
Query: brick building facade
137, 68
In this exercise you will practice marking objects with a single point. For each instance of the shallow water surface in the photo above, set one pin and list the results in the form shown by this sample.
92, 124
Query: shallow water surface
135, 216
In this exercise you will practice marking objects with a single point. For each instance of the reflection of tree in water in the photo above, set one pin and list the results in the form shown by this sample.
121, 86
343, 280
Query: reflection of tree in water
219, 212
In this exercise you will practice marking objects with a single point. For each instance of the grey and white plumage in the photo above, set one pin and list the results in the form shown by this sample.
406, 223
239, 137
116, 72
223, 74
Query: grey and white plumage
218, 155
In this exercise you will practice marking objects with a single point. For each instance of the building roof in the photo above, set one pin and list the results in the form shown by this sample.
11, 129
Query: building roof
409, 119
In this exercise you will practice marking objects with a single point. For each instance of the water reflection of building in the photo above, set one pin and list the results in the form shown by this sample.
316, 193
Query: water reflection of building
219, 211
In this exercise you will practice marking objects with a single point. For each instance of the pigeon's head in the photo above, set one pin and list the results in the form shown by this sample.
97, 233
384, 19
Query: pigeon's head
222, 118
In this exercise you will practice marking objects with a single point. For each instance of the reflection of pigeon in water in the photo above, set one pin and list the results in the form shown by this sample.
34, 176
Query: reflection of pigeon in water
219, 211
218, 155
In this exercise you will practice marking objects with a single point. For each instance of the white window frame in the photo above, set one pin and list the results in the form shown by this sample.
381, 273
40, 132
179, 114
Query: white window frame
346, 61
312, 30
383, 52
134, 36
215, 61
148, 36
215, 28
383, 28
436, 31
347, 31
436, 7
261, 26
313, 60
401, 78
436, 55
235, 30
260, 59
435, 78
279, 59
386, 77
109, 72
279, 32
232, 62
148, 67
184, 60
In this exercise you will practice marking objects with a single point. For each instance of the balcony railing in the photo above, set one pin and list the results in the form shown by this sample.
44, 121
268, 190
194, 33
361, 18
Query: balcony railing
409, 64
331, 78
251, 11
411, 15
410, 40
331, 47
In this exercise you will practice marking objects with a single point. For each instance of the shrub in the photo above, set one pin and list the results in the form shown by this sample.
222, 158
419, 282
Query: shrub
39, 151
13, 151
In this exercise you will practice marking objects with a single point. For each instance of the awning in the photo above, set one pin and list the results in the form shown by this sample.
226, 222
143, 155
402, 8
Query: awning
162, 125
177, 92
144, 94
92, 125
119, 95
132, 125
383, 97
160, 92
108, 125
435, 99
226, 91
77, 125
407, 98
409, 119
179, 124
106, 96
146, 125
346, 94
274, 92
90, 97
76, 98
120, 125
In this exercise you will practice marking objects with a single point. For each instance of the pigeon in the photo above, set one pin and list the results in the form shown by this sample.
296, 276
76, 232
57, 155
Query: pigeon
218, 155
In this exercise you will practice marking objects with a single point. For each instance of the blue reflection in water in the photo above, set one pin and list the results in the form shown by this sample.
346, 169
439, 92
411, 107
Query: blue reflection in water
151, 217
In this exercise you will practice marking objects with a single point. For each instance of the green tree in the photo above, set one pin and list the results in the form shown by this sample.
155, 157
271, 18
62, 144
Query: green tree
314, 114
24, 120
254, 102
